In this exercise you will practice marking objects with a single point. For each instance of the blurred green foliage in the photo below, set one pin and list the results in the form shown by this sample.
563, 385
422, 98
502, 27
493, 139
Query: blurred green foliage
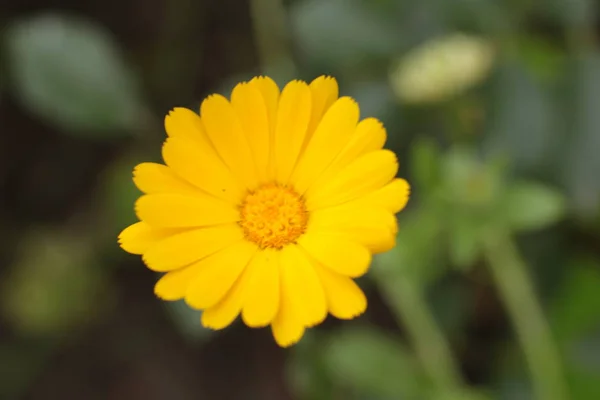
512, 154
53, 269
69, 71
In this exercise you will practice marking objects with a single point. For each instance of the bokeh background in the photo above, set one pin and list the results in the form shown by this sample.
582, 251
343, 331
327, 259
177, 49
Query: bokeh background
492, 106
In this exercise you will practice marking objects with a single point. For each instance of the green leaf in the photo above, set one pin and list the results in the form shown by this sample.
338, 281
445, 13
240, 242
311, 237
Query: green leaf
470, 182
583, 382
531, 206
544, 59
576, 310
69, 72
372, 363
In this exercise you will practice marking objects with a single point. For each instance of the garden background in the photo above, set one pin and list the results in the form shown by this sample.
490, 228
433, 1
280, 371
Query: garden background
493, 108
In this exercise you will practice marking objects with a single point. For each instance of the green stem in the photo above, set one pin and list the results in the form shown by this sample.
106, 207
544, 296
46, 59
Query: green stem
432, 349
517, 293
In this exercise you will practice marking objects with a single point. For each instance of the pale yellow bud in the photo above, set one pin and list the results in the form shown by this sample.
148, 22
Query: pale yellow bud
441, 68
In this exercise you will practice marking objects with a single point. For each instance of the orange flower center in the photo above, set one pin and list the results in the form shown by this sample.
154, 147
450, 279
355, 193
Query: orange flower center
273, 215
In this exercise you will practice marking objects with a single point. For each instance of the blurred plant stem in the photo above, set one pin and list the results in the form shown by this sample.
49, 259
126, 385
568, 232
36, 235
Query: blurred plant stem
429, 342
271, 36
517, 293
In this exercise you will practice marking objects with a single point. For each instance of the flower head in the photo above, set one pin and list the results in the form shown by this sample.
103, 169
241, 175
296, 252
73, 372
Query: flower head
268, 205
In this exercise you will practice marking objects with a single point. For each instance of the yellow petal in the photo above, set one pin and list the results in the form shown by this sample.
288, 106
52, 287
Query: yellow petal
137, 238
324, 91
158, 178
372, 227
249, 105
345, 300
337, 253
187, 247
392, 197
300, 281
168, 210
366, 174
217, 274
225, 133
270, 93
368, 136
226, 311
173, 285
261, 302
185, 124
332, 134
287, 327
202, 168
293, 116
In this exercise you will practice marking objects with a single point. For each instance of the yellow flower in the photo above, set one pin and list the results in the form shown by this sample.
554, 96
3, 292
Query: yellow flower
268, 205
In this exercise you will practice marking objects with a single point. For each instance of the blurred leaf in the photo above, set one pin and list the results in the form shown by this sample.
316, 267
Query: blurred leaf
425, 164
465, 394
576, 309
468, 181
373, 363
470, 201
54, 284
460, 168
521, 121
69, 72
531, 206
341, 31
542, 58
583, 383
583, 357
187, 321
586, 351
414, 255
575, 14
581, 163
464, 241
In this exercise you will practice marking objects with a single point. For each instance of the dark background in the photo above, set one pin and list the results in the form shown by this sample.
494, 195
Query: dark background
84, 86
